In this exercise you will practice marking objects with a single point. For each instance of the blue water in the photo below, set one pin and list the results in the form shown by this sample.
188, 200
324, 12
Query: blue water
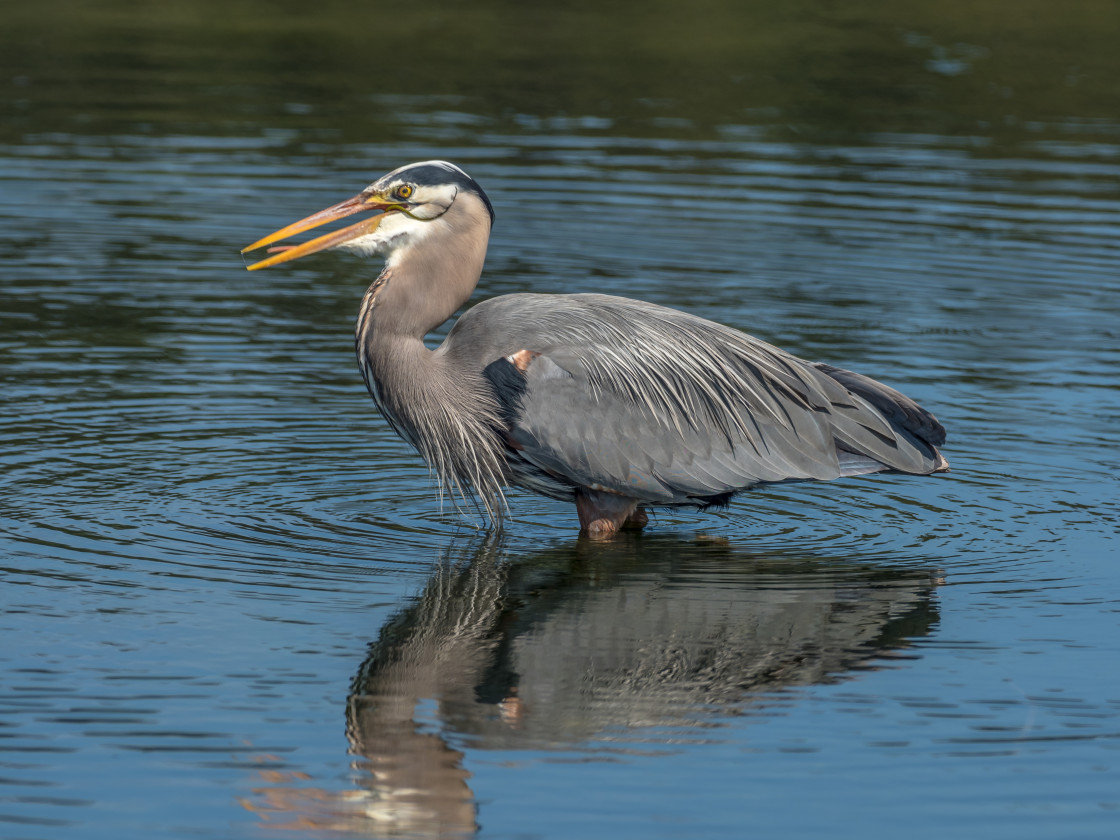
233, 602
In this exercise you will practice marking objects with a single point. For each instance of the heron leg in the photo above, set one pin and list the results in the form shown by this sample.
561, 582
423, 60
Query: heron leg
637, 520
602, 514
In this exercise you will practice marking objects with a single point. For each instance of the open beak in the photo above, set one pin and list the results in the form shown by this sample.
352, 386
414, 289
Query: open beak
284, 253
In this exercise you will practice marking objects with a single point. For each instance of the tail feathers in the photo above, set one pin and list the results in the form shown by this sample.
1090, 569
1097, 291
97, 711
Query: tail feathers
852, 463
895, 407
859, 453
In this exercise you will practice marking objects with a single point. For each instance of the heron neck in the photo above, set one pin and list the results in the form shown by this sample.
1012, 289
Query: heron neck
416, 292
421, 286
435, 402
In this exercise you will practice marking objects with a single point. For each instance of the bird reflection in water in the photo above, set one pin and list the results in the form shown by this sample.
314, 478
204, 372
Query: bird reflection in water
609, 648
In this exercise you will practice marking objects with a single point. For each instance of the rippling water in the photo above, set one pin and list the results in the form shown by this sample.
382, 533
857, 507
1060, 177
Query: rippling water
233, 601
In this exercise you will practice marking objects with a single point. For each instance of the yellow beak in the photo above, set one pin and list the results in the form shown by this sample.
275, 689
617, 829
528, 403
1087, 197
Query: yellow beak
284, 253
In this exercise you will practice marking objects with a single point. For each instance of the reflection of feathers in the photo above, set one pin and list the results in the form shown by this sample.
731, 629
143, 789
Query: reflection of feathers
583, 643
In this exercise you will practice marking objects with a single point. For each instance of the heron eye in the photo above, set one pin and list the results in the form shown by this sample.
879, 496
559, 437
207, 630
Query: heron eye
403, 191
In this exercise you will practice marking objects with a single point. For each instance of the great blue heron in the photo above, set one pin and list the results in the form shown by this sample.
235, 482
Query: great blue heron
613, 403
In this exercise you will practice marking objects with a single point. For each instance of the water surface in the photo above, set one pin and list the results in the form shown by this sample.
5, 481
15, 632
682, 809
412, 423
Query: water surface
232, 600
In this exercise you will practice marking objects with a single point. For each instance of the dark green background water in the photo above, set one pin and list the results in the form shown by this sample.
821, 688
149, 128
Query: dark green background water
231, 599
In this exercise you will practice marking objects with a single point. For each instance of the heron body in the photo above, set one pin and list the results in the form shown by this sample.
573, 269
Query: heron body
615, 404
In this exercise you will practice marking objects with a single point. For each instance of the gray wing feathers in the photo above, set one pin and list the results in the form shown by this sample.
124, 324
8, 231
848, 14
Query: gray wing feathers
667, 407
896, 407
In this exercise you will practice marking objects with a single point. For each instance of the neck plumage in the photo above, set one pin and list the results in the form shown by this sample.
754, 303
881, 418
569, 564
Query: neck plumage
445, 412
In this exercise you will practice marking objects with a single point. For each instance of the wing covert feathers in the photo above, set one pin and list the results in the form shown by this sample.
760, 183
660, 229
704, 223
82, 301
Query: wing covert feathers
633, 398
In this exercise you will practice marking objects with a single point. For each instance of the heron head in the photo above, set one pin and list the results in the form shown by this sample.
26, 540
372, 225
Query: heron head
407, 199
